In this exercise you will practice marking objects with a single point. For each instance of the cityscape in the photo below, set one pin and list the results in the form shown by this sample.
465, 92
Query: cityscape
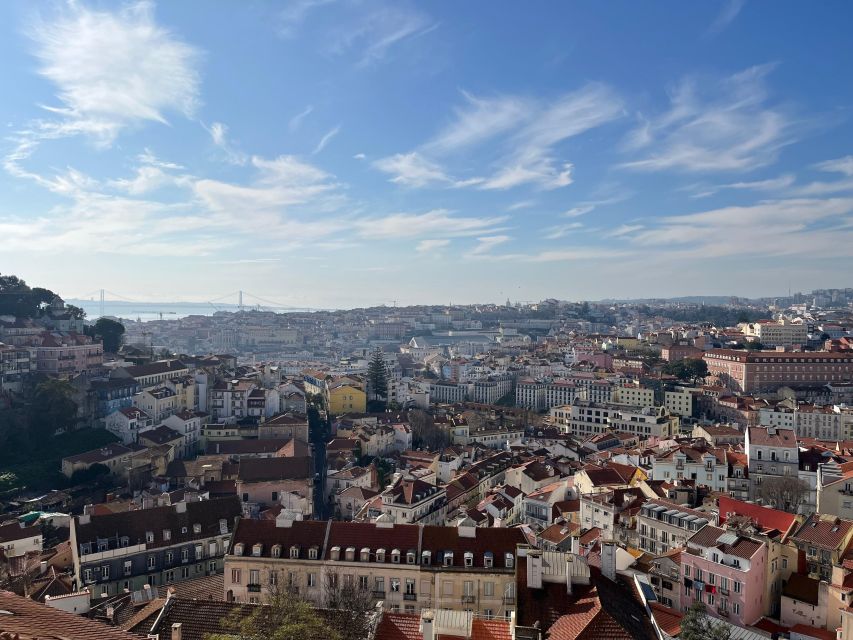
539, 323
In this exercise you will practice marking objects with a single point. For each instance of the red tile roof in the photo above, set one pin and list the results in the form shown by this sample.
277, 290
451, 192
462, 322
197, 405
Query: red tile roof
399, 626
765, 517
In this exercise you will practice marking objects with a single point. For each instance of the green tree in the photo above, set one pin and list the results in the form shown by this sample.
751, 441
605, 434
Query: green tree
285, 617
18, 299
110, 332
698, 625
51, 409
377, 375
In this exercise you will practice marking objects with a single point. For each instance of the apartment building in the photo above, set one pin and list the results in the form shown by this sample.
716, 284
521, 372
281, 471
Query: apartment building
772, 454
158, 546
157, 402
632, 395
766, 371
16, 363
665, 525
823, 539
126, 423
531, 394
408, 567
408, 500
707, 466
824, 422
67, 354
783, 333
229, 399
726, 571
155, 373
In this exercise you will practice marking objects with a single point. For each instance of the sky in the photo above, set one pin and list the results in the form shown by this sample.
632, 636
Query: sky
341, 153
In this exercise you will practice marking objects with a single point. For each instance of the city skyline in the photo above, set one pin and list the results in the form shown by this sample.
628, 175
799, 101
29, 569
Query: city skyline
340, 154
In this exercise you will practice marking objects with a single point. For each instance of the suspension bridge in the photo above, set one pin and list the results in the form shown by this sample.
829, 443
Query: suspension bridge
242, 300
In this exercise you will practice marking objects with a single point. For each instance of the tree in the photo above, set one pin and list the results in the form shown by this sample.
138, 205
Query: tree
110, 333
350, 605
18, 299
285, 617
51, 409
377, 375
425, 433
784, 492
698, 625
687, 369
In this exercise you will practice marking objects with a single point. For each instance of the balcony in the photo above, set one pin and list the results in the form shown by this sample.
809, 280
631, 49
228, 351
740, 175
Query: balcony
253, 588
724, 592
723, 612
468, 599
379, 595
410, 596
509, 599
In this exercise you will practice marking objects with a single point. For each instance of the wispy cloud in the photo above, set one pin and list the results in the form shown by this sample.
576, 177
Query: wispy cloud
219, 135
729, 11
521, 204
296, 121
843, 166
432, 245
412, 170
113, 69
326, 139
371, 34
771, 184
561, 230
294, 13
438, 222
485, 244
714, 126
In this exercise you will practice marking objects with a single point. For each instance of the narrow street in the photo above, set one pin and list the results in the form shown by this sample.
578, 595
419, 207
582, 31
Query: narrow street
318, 430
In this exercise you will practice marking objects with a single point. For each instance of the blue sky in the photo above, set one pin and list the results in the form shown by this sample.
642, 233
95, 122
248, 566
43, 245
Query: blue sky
338, 153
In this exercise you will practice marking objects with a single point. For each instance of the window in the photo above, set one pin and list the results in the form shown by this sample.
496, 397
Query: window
128, 567
167, 534
488, 560
395, 556
362, 582
254, 576
294, 552
185, 555
149, 536
365, 555
469, 559
235, 576
489, 589
152, 562
105, 572
448, 559
395, 585
185, 572
784, 563
380, 555
379, 585
312, 580
737, 586
468, 588
736, 608
196, 528
687, 571
312, 553
410, 586
274, 578
509, 560
170, 576
170, 557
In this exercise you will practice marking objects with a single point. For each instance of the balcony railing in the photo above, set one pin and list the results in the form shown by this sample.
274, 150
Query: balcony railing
379, 594
723, 612
410, 596
467, 599
253, 588
509, 599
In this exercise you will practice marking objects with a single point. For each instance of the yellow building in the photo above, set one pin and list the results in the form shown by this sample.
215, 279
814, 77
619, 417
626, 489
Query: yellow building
345, 398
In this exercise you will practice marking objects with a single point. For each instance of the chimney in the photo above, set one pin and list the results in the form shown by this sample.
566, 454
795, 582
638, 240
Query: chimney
576, 545
176, 631
534, 569
84, 519
43, 567
427, 624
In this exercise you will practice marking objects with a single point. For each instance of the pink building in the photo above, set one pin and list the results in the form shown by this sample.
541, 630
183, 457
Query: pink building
727, 571
67, 354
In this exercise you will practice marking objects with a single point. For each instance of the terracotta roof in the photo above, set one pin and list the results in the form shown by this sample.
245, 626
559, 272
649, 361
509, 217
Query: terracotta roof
272, 469
765, 517
779, 438
803, 588
490, 630
823, 532
399, 626
709, 535
32, 619
303, 534
497, 540
669, 620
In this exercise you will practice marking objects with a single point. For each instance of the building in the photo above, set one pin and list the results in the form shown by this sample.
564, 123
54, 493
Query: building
265, 482
229, 399
113, 394
823, 539
155, 373
707, 466
408, 500
408, 567
783, 333
665, 525
116, 457
17, 539
531, 394
766, 371
343, 397
189, 424
16, 363
773, 455
727, 572
155, 546
67, 354
127, 422
158, 402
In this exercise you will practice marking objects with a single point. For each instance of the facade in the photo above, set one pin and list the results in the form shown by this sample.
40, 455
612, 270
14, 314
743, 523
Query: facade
113, 394
408, 567
16, 363
766, 371
17, 540
159, 402
706, 466
126, 423
665, 525
408, 501
783, 333
727, 572
156, 546
772, 454
345, 398
188, 423
67, 355
823, 539
156, 373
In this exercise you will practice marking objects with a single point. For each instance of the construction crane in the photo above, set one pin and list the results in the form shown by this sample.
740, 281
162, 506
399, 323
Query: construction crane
161, 313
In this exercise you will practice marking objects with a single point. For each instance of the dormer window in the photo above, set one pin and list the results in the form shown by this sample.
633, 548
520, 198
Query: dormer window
196, 528
410, 557
276, 551
167, 534
365, 554
350, 554
125, 541
335, 553
426, 558
488, 560
257, 550
294, 552
312, 553
149, 536
395, 556
103, 545
469, 559
509, 560
238, 549
223, 526
380, 555
448, 558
